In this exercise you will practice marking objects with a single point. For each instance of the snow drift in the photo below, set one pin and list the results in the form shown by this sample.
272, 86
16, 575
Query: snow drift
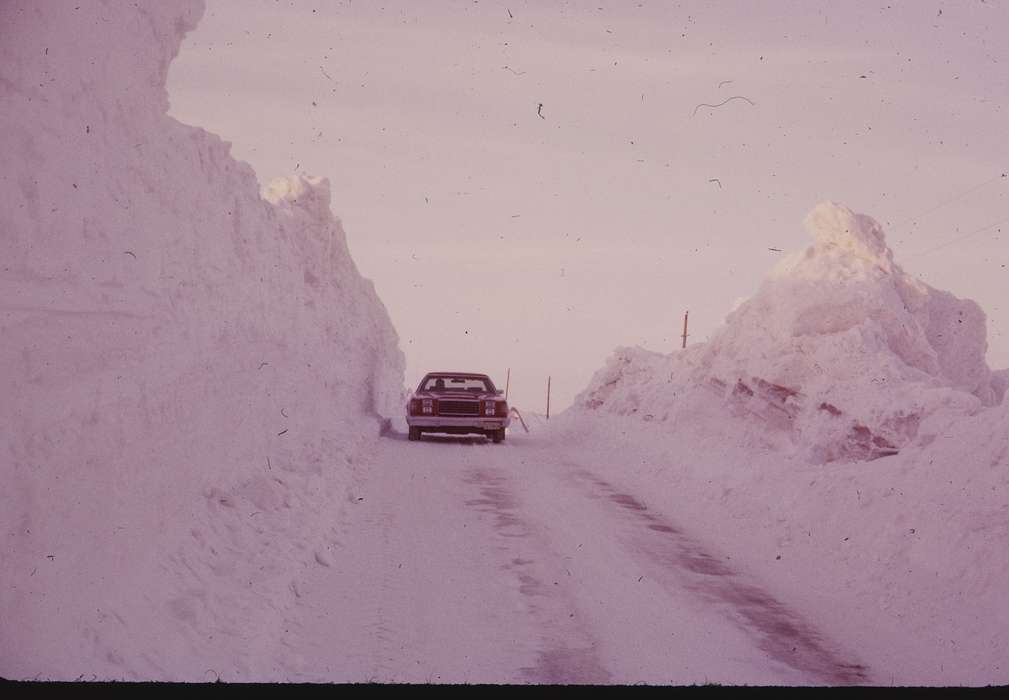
187, 369
840, 354
765, 439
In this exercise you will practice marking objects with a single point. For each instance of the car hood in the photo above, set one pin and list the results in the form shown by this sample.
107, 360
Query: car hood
457, 396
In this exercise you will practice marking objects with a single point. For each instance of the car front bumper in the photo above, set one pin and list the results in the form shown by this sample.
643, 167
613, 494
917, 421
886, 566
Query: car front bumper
476, 423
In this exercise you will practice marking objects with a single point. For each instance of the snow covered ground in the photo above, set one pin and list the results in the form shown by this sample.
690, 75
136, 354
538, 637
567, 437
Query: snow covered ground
461, 561
901, 559
196, 383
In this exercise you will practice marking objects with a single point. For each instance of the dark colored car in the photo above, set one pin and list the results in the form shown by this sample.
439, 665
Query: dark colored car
457, 403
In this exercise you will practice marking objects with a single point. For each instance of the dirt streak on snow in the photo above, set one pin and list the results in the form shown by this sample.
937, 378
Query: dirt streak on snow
567, 653
783, 634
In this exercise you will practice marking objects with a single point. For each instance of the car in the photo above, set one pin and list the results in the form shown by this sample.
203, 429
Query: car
457, 403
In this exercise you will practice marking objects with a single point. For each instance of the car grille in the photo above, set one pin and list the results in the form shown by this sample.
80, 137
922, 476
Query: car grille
459, 408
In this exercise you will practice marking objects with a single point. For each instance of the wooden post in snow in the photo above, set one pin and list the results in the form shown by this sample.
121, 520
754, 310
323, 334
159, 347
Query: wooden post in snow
548, 398
685, 315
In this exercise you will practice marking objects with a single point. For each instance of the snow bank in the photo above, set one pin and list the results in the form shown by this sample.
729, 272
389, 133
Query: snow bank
187, 368
840, 354
903, 559
762, 442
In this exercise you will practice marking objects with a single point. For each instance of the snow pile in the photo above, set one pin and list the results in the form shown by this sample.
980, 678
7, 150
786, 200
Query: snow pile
188, 370
840, 357
840, 354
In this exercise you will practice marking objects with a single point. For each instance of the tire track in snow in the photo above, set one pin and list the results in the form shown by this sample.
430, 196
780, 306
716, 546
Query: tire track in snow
780, 632
355, 597
439, 578
568, 652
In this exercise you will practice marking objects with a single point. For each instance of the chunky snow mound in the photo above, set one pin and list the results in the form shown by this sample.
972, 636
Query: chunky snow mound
186, 368
840, 354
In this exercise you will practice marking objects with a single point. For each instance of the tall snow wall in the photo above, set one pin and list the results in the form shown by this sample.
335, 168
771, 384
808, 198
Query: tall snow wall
187, 369
840, 355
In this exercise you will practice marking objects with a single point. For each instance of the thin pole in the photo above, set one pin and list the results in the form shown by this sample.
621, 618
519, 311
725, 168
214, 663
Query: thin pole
508, 382
548, 398
685, 315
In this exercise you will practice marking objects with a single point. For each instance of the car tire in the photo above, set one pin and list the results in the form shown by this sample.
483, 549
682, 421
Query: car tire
414, 434
498, 435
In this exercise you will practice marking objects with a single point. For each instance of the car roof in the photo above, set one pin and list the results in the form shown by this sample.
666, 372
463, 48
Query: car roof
456, 374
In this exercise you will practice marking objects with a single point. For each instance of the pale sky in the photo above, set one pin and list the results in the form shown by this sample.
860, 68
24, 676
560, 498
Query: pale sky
500, 234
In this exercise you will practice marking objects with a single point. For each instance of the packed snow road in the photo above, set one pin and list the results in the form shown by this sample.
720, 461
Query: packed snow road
461, 561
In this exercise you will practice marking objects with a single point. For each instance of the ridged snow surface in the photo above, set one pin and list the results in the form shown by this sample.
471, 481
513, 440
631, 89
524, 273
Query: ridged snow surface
186, 368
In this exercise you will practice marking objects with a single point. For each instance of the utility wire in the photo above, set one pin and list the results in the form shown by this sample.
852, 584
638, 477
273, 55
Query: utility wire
957, 239
956, 197
948, 201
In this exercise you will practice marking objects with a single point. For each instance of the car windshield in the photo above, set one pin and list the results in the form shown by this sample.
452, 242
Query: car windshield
447, 382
